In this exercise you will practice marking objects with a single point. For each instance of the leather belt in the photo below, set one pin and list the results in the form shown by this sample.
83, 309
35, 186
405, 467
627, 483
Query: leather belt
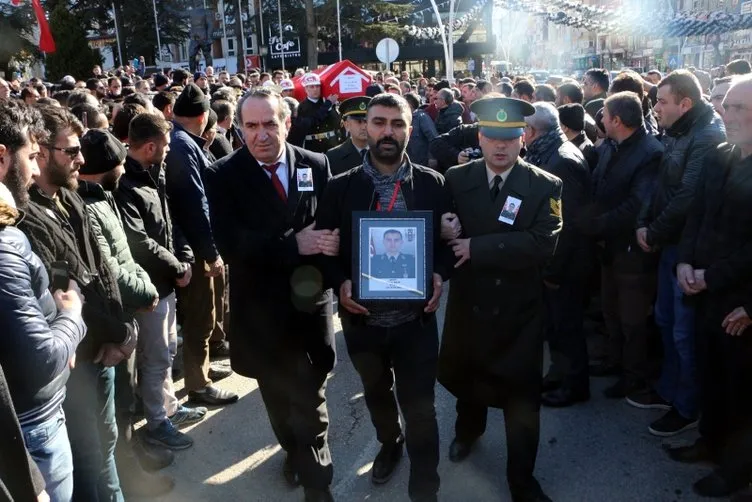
320, 136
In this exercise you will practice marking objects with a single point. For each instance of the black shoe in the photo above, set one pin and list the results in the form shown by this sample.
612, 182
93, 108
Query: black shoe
671, 424
563, 397
648, 399
219, 349
425, 498
605, 370
385, 464
153, 458
695, 453
714, 485
532, 494
318, 495
289, 472
622, 388
212, 396
217, 374
459, 450
551, 383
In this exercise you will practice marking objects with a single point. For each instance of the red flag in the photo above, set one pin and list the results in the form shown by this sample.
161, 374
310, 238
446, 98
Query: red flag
46, 42
15, 3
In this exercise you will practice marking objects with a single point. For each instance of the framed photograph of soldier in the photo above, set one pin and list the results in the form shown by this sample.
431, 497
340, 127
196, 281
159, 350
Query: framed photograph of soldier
393, 256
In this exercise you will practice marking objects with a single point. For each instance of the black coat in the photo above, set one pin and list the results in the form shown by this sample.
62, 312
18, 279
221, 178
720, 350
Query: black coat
272, 321
446, 147
320, 117
587, 148
718, 233
624, 181
572, 257
492, 346
220, 147
343, 157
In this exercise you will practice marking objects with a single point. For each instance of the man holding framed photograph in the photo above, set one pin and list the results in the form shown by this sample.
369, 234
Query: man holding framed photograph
392, 342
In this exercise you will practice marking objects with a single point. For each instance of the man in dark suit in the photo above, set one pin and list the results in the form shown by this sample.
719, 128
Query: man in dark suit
350, 153
715, 259
282, 333
393, 264
492, 348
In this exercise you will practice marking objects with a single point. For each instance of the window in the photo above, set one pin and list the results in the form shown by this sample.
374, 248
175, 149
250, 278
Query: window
249, 49
231, 47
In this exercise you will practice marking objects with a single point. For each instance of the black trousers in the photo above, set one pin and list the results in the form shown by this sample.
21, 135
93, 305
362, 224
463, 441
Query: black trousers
522, 427
293, 394
565, 334
725, 373
403, 358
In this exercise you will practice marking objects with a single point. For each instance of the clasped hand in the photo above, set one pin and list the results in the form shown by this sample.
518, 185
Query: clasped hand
312, 241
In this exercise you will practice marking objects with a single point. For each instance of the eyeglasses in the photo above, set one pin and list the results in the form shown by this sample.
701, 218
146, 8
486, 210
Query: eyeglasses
70, 151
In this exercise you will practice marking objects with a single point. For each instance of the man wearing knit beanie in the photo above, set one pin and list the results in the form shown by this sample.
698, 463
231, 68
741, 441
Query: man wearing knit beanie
572, 120
185, 165
99, 176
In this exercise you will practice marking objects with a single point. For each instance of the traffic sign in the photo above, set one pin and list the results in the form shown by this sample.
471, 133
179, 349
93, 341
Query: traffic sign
673, 61
387, 50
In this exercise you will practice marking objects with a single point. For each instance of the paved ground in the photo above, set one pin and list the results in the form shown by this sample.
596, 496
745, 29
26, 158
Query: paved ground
596, 452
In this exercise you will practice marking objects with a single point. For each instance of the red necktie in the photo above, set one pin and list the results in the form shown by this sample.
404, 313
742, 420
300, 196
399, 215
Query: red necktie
272, 169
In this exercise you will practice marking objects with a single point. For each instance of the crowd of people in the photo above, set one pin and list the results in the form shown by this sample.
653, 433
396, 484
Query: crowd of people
134, 209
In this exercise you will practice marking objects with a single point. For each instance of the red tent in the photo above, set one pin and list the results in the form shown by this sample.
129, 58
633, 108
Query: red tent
344, 79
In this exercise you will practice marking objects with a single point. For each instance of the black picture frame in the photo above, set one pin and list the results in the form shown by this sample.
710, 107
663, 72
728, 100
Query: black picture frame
379, 279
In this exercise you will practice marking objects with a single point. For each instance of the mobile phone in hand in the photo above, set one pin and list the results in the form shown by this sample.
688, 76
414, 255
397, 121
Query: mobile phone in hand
59, 275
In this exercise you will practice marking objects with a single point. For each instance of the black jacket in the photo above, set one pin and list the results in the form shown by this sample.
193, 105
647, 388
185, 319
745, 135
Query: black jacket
449, 118
56, 237
343, 157
423, 190
156, 245
685, 146
718, 233
281, 313
220, 147
587, 148
317, 118
20, 478
446, 147
624, 181
572, 251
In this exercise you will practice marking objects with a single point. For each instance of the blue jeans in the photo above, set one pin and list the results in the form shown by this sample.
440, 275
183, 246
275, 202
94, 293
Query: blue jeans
47, 443
90, 409
676, 320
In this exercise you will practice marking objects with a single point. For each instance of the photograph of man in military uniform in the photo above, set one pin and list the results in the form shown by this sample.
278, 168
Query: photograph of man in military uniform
304, 180
392, 263
509, 211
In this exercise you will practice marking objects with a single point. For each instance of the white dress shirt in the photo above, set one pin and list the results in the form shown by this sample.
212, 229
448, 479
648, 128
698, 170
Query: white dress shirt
491, 175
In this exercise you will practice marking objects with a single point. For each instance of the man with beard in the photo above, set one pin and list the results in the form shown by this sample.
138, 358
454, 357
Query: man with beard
318, 121
692, 131
394, 345
714, 270
96, 88
114, 89
40, 330
350, 153
281, 329
59, 229
492, 347
104, 156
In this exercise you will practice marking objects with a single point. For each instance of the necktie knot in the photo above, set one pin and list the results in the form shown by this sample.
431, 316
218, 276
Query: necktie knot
272, 168
495, 188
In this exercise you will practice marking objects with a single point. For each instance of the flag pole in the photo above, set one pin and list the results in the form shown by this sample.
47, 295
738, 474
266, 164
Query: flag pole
156, 29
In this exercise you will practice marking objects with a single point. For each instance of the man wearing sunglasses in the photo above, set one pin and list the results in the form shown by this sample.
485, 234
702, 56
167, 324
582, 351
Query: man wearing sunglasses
59, 229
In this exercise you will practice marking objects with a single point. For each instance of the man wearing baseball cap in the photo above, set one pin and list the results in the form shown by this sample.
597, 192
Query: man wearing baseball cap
318, 120
492, 347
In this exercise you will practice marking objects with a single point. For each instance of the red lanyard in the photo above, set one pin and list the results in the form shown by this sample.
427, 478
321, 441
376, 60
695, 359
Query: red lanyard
392, 200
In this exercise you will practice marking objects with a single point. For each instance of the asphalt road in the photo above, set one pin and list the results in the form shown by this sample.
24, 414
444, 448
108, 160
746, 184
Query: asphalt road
599, 451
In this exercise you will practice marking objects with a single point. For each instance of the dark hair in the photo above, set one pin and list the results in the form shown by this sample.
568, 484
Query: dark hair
506, 89
146, 127
91, 113
62, 97
222, 108
572, 91
412, 99
599, 76
121, 124
92, 84
738, 67
18, 124
627, 106
391, 101
79, 97
211, 121
26, 92
278, 72
136, 99
545, 92
628, 81
484, 86
683, 85
40, 88
265, 74
393, 231
58, 120
114, 79
47, 102
524, 88
179, 76
162, 99
128, 91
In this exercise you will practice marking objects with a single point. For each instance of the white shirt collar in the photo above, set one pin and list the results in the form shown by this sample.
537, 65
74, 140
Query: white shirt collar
491, 175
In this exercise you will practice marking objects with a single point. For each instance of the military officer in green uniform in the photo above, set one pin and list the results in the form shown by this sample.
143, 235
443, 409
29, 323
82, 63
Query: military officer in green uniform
350, 153
492, 346
393, 264
318, 121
